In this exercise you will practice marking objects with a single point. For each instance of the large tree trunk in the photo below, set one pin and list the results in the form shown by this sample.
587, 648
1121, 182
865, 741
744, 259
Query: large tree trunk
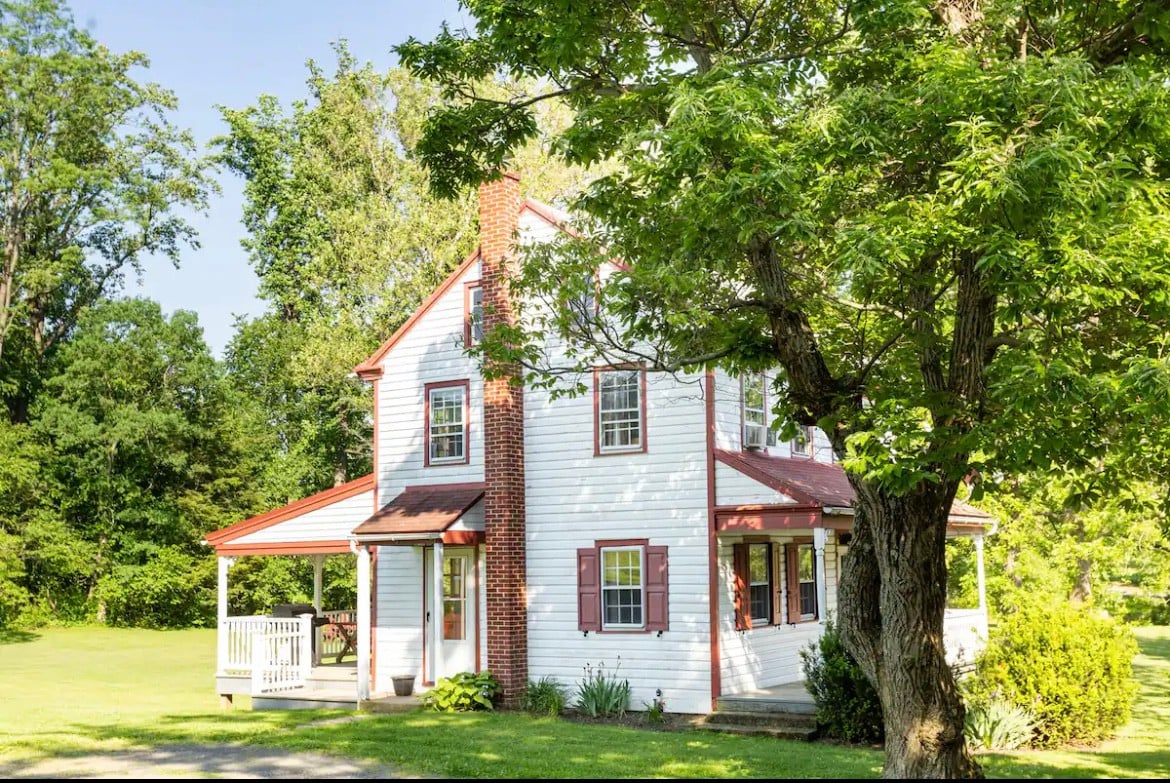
1082, 591
892, 598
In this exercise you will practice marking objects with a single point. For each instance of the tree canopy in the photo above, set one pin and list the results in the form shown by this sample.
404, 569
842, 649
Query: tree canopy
946, 223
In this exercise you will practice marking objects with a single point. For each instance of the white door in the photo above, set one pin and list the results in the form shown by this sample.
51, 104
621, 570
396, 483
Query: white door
456, 614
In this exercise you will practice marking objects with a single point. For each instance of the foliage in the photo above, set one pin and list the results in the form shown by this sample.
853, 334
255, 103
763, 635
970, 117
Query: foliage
545, 696
601, 694
655, 710
1070, 668
94, 181
463, 692
946, 222
1147, 610
173, 589
998, 725
847, 706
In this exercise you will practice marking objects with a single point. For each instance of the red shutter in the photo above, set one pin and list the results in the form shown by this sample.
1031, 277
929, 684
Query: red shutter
792, 581
743, 613
775, 554
588, 591
657, 613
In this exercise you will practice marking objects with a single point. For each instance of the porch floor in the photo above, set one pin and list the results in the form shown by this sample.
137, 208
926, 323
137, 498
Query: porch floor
333, 698
790, 697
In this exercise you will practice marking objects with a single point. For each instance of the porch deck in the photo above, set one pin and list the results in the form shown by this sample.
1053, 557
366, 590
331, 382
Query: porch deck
791, 698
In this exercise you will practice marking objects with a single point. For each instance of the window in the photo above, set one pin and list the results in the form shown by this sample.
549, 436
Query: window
446, 423
621, 587
584, 307
454, 598
473, 314
802, 444
760, 583
802, 583
756, 432
619, 410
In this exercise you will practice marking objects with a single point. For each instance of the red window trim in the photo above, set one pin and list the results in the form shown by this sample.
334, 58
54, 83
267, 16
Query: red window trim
427, 389
792, 582
468, 287
610, 544
597, 452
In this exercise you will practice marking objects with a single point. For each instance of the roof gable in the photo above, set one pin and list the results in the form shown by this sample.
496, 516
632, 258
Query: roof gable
292, 510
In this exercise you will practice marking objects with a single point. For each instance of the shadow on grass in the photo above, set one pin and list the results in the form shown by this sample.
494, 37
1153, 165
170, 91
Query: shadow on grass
17, 636
507, 745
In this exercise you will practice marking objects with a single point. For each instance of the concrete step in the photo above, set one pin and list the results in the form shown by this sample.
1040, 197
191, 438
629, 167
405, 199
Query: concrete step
755, 704
787, 733
775, 720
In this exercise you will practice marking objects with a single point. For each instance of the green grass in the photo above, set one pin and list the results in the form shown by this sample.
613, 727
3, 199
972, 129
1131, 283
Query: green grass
75, 690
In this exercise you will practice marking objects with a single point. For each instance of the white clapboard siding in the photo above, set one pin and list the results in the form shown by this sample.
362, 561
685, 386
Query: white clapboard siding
399, 618
733, 488
431, 352
575, 499
762, 657
729, 420
328, 523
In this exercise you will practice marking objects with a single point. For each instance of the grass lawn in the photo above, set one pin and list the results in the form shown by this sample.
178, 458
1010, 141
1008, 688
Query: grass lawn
80, 689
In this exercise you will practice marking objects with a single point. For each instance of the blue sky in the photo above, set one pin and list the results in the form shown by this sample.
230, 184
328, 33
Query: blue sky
229, 52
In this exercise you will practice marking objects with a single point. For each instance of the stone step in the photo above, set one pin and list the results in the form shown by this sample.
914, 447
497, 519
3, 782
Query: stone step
777, 720
787, 733
751, 704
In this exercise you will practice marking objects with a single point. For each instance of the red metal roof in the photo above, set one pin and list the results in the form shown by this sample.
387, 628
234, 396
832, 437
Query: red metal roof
425, 509
809, 481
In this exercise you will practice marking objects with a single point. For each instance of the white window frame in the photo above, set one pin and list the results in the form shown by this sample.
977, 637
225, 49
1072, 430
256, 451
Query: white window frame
810, 445
608, 626
475, 325
640, 427
461, 391
769, 568
806, 617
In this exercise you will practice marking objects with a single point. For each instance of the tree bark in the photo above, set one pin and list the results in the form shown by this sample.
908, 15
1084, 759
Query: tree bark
893, 596
1082, 591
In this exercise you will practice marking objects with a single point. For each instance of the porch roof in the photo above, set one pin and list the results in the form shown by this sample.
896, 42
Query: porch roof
818, 483
423, 509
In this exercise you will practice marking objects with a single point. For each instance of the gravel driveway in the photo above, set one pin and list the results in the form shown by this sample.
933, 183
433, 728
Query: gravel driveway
199, 761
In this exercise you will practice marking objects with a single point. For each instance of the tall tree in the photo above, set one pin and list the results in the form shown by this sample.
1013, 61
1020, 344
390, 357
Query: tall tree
347, 240
93, 179
945, 221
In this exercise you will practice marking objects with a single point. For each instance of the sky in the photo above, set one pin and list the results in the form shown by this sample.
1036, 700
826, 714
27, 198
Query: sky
230, 52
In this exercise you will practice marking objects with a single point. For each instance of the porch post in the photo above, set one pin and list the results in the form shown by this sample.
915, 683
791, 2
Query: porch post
221, 611
979, 573
363, 622
820, 536
436, 610
318, 576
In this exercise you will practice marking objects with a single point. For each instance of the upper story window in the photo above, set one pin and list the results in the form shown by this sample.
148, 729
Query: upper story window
619, 396
756, 432
472, 314
584, 307
802, 444
446, 427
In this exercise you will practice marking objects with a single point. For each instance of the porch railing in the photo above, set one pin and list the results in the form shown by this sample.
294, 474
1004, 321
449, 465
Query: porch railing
237, 640
335, 638
282, 659
964, 635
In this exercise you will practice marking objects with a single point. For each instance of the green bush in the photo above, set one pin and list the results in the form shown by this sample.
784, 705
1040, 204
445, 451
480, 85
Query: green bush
847, 705
998, 725
601, 695
1071, 668
172, 590
463, 692
1146, 610
545, 696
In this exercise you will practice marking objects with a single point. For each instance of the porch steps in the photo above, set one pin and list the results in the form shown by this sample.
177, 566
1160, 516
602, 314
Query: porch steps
762, 723
791, 705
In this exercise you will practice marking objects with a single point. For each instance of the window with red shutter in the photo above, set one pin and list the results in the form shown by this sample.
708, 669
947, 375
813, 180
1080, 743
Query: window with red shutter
623, 586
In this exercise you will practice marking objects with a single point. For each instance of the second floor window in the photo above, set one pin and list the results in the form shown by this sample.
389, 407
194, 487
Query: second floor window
620, 417
473, 328
446, 423
802, 444
756, 432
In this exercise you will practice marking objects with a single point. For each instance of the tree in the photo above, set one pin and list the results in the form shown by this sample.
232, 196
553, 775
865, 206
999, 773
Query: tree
92, 180
347, 240
945, 221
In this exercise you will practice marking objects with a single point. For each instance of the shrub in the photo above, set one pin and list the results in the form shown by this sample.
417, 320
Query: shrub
847, 705
1147, 610
601, 695
463, 692
998, 725
1071, 668
172, 590
545, 696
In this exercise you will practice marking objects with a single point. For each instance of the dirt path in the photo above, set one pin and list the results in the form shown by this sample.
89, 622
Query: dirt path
199, 761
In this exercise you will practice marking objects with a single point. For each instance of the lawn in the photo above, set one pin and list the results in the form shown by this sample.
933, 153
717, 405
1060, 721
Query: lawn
80, 689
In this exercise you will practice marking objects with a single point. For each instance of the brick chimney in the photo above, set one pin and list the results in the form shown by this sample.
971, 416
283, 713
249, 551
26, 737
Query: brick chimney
503, 441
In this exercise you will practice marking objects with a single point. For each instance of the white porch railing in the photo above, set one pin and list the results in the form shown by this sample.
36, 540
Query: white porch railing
282, 659
238, 635
964, 635
336, 638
